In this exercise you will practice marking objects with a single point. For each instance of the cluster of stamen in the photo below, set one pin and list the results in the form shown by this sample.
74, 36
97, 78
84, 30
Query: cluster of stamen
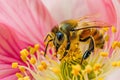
95, 67
35, 64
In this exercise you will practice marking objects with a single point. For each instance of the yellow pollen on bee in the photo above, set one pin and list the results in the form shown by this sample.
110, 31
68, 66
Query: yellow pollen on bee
32, 60
19, 75
76, 69
26, 78
102, 31
14, 65
88, 69
21, 68
104, 54
113, 29
97, 66
114, 64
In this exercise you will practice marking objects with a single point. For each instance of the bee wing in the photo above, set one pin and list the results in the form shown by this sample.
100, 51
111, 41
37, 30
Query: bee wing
91, 24
91, 20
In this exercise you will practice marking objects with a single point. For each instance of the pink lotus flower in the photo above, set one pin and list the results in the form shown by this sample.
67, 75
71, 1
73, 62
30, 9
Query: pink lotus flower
24, 23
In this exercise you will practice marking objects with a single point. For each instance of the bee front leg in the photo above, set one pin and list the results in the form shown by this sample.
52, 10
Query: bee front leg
66, 49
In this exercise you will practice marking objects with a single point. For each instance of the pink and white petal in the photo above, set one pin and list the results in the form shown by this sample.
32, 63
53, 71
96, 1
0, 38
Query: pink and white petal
10, 77
29, 17
10, 46
6, 73
104, 9
117, 6
66, 9
114, 76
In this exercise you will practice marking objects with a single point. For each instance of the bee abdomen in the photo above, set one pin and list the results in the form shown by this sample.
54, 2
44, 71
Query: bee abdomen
98, 38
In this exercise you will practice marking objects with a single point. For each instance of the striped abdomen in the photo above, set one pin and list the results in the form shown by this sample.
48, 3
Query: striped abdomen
96, 35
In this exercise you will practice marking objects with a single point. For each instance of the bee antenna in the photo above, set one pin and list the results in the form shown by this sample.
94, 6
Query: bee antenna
48, 35
47, 46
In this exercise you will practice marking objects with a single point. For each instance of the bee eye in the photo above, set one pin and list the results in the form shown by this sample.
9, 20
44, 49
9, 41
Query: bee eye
59, 35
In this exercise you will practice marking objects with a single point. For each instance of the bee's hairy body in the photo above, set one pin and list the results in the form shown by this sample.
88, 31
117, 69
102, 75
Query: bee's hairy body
67, 31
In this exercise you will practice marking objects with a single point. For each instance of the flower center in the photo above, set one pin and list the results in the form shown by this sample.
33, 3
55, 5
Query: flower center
38, 67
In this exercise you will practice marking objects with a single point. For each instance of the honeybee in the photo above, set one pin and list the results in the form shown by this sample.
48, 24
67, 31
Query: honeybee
63, 31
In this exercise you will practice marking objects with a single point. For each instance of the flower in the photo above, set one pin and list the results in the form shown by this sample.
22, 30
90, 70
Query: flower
24, 24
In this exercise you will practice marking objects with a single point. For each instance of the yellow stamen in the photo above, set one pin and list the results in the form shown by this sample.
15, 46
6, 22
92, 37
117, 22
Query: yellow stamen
113, 29
106, 37
118, 63
19, 75
14, 65
114, 64
43, 63
118, 44
104, 54
56, 70
21, 68
114, 44
24, 52
20, 78
88, 69
100, 78
23, 58
36, 47
32, 50
40, 67
26, 78
97, 66
105, 29
76, 69
32, 60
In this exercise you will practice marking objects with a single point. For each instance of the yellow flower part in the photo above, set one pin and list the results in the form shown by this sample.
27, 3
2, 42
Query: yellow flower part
14, 65
76, 69
99, 63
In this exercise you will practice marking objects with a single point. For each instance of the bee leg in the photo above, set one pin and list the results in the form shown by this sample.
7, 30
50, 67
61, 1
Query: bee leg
66, 49
57, 47
90, 49
47, 46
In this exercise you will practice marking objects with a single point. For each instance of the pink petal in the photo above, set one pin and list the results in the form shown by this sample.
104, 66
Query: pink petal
114, 76
10, 46
116, 4
10, 77
66, 9
28, 17
104, 9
